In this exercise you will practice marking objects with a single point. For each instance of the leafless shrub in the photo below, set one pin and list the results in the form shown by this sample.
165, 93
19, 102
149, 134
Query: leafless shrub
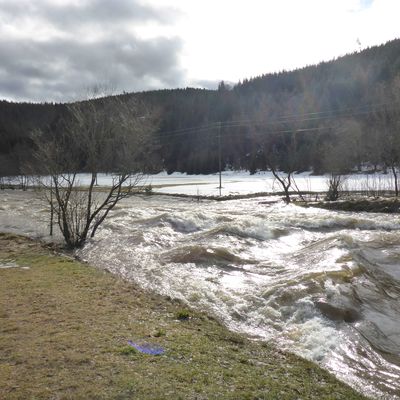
335, 185
98, 135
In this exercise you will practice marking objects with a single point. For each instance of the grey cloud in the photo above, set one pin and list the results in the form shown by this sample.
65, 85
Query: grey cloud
107, 13
61, 69
86, 12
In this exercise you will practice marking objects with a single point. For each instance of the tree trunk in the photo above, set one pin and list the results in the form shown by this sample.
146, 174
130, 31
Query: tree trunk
285, 185
396, 183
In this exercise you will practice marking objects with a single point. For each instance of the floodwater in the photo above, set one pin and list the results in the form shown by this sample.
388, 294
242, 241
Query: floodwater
322, 284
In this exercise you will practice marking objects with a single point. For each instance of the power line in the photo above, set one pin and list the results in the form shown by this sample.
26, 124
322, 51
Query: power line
290, 118
294, 119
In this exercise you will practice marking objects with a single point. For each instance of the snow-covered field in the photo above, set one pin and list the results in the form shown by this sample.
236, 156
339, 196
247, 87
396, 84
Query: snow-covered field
241, 182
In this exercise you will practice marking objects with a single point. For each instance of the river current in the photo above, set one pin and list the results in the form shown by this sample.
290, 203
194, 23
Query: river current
322, 284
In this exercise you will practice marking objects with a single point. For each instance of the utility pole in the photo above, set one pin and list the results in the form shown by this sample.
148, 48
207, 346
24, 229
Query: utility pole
219, 159
51, 208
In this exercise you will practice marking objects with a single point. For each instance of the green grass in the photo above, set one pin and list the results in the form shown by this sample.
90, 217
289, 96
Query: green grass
183, 315
64, 331
127, 350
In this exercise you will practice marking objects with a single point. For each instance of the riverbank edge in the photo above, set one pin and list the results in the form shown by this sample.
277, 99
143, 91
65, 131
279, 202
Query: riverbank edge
350, 201
65, 328
390, 205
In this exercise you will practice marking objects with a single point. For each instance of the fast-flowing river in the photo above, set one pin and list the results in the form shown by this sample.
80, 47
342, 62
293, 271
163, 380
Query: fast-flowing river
323, 284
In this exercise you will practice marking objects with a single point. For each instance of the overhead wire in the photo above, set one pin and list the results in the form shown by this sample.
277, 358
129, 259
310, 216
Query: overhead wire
290, 118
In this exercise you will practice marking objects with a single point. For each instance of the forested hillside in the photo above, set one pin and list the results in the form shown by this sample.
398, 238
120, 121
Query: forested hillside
335, 116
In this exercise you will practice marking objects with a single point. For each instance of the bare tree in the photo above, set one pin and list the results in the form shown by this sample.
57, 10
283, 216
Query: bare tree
335, 186
99, 135
280, 157
284, 179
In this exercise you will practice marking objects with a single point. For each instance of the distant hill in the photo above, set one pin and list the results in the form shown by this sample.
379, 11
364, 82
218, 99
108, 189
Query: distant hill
333, 116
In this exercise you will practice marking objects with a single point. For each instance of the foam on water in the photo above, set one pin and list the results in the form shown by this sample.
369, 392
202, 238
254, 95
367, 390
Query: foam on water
319, 283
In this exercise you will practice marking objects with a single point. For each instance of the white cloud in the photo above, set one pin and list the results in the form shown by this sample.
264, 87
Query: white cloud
233, 39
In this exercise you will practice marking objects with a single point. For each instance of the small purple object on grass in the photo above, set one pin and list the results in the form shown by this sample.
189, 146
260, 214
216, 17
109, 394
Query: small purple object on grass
147, 348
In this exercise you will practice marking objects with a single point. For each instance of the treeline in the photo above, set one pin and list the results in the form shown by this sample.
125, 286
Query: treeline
17, 122
336, 116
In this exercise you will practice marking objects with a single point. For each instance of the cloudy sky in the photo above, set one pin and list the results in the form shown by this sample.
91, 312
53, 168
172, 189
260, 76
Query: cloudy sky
55, 50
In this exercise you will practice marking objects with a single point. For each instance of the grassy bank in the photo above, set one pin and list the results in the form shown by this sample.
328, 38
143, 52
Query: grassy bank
64, 328
381, 205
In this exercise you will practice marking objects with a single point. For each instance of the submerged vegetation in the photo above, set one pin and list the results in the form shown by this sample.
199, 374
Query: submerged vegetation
65, 331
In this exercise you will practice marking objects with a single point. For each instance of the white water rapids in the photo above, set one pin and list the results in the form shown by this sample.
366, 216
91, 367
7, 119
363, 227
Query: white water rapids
323, 284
